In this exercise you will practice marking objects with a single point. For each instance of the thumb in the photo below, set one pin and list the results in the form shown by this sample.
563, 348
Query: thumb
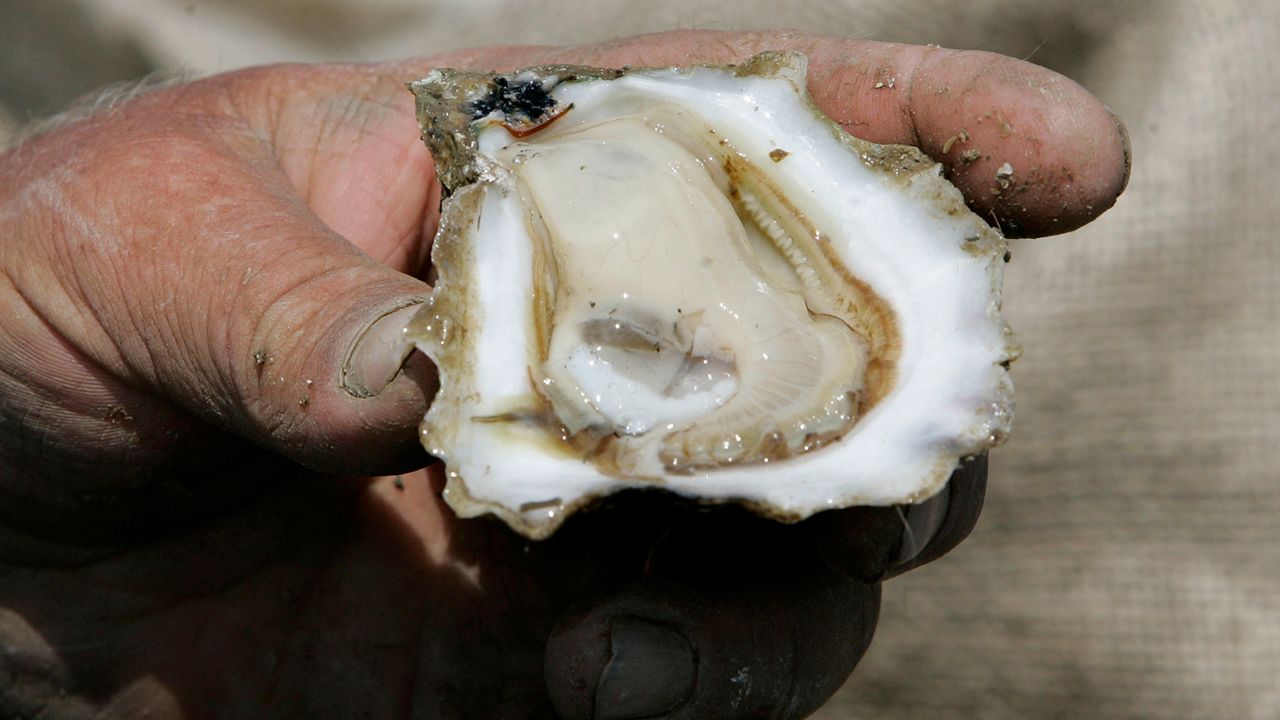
187, 264
307, 354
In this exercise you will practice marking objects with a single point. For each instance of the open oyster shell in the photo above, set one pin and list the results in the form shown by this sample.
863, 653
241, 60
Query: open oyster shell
690, 279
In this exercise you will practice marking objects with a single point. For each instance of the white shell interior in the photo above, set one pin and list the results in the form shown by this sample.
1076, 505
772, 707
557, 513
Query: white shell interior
909, 238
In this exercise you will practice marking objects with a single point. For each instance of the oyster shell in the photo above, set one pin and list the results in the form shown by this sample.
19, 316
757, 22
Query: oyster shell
691, 279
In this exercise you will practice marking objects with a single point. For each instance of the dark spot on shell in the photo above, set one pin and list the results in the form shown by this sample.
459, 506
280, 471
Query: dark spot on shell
524, 101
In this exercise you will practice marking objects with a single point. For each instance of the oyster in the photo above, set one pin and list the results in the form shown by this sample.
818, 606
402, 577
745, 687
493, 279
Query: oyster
691, 279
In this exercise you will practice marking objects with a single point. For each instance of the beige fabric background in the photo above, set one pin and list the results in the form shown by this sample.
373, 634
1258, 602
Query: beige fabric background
1128, 562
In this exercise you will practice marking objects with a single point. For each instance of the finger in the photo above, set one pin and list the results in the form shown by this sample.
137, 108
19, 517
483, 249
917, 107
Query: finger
736, 617
1032, 151
185, 262
876, 543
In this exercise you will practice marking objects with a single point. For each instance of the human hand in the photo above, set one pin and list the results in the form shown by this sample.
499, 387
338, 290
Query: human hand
188, 522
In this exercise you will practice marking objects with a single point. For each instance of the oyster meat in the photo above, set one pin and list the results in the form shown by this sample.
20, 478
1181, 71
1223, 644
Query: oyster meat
691, 279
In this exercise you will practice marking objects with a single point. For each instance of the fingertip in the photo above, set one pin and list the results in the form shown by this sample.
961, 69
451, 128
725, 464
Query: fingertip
334, 384
734, 616
1033, 151
664, 650
607, 665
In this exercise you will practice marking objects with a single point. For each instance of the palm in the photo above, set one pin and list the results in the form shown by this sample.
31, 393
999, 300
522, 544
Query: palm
342, 598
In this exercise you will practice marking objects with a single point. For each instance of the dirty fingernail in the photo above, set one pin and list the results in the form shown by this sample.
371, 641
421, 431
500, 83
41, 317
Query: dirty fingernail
378, 354
650, 671
1126, 147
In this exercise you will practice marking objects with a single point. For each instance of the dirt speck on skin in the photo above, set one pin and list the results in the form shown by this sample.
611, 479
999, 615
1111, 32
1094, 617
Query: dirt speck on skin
304, 401
970, 156
260, 358
961, 138
777, 154
1004, 176
117, 414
